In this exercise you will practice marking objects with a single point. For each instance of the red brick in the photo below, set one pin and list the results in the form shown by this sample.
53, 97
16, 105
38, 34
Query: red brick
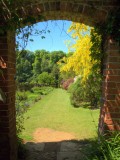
8, 88
111, 127
114, 59
3, 40
109, 109
112, 66
6, 106
115, 115
112, 103
109, 85
116, 109
117, 98
9, 58
110, 97
3, 46
111, 72
109, 122
113, 52
114, 91
118, 85
113, 78
4, 129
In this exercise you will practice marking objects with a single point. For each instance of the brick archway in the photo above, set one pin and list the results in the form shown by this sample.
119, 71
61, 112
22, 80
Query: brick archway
88, 12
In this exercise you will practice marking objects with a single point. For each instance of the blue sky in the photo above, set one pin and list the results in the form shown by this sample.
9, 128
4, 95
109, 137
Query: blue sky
55, 40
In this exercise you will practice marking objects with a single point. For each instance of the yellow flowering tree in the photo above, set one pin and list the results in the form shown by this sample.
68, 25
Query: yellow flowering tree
85, 62
80, 62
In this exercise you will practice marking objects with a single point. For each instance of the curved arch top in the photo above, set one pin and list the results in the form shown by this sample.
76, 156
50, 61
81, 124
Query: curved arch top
88, 12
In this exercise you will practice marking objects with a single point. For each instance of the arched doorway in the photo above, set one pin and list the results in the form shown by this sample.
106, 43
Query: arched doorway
89, 12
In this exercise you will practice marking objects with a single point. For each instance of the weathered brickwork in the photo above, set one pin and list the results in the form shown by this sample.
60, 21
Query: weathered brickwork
7, 110
110, 111
89, 12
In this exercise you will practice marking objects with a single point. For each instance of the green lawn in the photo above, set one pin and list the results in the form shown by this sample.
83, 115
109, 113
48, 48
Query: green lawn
55, 111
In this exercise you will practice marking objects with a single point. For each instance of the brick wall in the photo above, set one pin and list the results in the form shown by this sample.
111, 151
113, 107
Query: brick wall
7, 110
88, 12
110, 111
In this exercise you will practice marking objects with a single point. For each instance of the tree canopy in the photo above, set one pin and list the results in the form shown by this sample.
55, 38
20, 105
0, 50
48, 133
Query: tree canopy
35, 67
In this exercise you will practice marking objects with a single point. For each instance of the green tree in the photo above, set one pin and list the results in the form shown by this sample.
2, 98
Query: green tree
56, 56
24, 67
45, 79
41, 63
56, 74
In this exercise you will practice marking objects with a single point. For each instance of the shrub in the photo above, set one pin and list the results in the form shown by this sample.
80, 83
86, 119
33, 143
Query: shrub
107, 148
77, 93
24, 86
21, 96
37, 99
45, 79
88, 91
93, 90
21, 107
42, 90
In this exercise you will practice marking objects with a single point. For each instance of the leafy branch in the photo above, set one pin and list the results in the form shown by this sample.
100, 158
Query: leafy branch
12, 20
113, 25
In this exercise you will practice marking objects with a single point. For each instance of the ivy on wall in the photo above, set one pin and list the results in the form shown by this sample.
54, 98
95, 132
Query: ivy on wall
11, 17
111, 29
112, 25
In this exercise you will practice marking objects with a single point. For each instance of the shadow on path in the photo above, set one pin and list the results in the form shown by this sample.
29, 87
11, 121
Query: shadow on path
62, 150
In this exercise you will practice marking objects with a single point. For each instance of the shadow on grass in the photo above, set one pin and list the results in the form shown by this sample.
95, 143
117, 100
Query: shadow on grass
86, 105
62, 150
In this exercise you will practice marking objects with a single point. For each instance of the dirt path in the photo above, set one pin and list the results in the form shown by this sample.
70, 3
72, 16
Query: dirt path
49, 144
50, 135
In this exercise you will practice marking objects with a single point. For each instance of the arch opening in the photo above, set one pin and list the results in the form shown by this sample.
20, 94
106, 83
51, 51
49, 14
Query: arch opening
110, 110
46, 136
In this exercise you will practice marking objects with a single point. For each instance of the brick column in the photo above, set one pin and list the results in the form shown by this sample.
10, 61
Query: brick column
110, 111
7, 109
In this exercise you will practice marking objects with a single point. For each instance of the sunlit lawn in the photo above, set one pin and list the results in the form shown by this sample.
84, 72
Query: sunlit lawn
55, 111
